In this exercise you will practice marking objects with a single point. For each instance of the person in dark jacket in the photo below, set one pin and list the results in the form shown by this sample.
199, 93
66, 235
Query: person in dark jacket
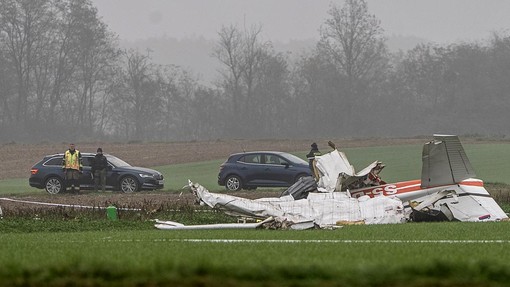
311, 157
99, 166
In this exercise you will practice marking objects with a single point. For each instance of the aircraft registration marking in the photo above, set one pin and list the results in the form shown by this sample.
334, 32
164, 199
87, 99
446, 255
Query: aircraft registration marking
402, 187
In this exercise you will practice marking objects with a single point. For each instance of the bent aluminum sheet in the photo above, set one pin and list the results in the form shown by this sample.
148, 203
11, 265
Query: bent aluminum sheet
324, 209
334, 166
466, 203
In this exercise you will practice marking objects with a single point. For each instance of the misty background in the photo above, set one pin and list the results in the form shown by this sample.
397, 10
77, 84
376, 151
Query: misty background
200, 70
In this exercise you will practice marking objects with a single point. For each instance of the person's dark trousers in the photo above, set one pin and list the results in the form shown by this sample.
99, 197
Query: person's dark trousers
100, 179
73, 180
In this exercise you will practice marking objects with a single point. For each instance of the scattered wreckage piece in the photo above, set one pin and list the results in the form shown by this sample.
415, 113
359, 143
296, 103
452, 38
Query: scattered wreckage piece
171, 225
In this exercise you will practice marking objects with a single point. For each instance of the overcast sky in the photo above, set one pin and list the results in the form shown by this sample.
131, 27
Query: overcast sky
442, 21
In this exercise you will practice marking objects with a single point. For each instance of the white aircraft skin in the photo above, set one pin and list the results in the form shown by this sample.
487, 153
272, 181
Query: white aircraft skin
469, 197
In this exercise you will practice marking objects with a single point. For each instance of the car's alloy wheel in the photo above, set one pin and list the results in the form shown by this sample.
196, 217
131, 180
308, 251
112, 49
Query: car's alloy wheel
233, 183
53, 185
128, 184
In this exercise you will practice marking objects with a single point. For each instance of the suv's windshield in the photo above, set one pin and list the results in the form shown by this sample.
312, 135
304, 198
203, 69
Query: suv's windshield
117, 162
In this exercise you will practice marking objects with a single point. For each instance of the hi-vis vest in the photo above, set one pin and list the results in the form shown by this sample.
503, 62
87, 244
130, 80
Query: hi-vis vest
72, 161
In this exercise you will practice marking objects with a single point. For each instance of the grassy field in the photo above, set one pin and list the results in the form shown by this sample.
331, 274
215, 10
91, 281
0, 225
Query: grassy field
135, 254
89, 250
402, 162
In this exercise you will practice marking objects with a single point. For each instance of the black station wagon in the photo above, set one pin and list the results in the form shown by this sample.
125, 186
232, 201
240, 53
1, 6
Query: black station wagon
47, 174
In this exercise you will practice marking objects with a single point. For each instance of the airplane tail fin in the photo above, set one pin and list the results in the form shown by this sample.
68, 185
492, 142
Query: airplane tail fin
444, 162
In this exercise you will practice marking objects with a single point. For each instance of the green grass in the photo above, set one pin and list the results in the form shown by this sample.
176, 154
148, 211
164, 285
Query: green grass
14, 186
379, 255
85, 249
205, 173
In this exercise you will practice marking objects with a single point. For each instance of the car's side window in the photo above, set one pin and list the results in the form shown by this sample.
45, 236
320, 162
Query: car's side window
54, 161
251, 158
274, 159
282, 161
270, 159
86, 161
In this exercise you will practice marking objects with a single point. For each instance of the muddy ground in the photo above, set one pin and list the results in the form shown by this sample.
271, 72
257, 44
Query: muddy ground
17, 160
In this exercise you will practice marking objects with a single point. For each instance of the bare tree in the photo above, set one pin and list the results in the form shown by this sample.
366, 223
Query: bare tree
138, 78
353, 40
23, 23
7, 91
255, 52
97, 54
229, 51
138, 102
246, 57
316, 86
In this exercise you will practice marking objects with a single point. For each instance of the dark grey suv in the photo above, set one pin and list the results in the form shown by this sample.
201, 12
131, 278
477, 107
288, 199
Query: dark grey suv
250, 170
47, 174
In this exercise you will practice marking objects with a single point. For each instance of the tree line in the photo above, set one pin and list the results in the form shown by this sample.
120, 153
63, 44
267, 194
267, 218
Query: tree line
63, 77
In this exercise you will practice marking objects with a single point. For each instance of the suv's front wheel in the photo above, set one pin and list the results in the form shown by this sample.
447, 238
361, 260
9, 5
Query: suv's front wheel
233, 183
53, 185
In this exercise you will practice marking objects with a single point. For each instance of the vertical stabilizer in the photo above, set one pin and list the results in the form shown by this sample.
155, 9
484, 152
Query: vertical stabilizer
444, 162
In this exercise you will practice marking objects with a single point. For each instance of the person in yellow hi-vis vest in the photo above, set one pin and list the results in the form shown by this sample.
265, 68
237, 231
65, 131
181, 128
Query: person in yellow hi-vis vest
72, 167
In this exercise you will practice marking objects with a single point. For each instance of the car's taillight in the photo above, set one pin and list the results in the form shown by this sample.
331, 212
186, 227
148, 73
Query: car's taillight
34, 171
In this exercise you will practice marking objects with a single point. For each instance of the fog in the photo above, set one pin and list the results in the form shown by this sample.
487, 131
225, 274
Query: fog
183, 33
184, 70
442, 21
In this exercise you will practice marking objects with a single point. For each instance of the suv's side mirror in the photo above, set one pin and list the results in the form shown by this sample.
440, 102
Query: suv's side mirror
109, 167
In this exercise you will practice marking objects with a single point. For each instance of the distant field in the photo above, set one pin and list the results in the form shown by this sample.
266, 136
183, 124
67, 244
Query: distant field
490, 161
403, 162
414, 254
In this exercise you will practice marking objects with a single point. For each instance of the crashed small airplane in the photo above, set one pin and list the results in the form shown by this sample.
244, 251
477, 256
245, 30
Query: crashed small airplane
337, 195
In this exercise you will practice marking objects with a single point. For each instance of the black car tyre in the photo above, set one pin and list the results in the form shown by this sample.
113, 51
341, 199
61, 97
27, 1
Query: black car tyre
53, 185
233, 183
129, 184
